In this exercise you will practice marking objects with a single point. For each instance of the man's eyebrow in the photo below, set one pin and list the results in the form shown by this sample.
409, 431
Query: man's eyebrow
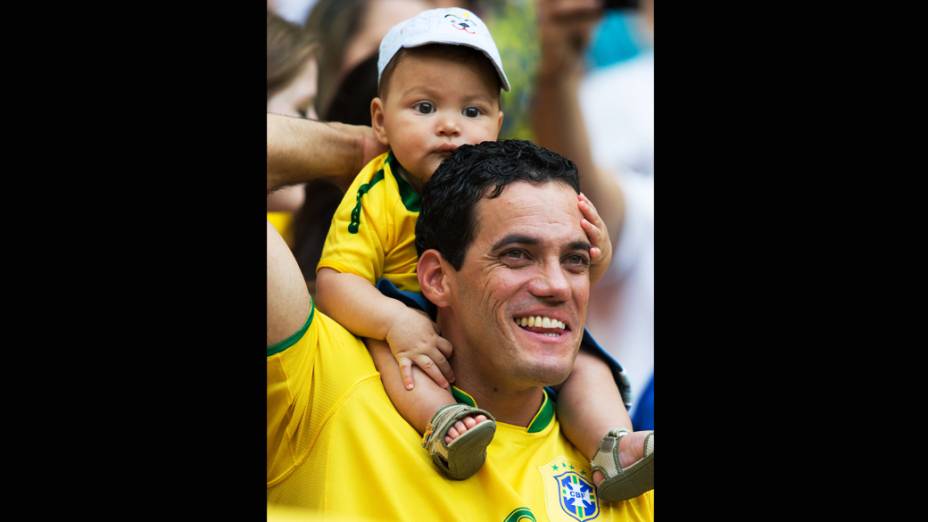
520, 239
515, 238
579, 245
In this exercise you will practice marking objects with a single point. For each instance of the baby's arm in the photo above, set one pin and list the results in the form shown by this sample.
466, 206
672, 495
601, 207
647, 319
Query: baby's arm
416, 406
589, 404
595, 228
358, 306
391, 326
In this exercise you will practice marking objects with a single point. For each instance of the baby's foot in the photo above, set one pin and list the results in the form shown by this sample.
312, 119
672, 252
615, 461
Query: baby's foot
631, 450
460, 427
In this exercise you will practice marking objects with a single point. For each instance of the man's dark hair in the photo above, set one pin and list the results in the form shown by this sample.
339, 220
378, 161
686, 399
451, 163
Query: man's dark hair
446, 220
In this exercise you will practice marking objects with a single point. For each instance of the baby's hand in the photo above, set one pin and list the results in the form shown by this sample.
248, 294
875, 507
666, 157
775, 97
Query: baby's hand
414, 338
595, 228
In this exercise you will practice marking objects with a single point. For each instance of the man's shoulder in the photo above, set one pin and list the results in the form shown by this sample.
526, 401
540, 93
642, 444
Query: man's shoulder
320, 338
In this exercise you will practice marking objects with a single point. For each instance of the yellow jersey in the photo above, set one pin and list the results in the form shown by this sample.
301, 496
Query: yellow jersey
373, 231
336, 444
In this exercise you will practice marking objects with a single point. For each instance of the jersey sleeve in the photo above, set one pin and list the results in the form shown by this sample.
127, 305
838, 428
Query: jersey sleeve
289, 367
358, 236
308, 375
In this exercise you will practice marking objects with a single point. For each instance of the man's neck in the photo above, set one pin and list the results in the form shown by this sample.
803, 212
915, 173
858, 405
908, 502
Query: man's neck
512, 407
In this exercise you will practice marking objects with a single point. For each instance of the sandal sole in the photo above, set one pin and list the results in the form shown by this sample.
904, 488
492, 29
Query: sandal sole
634, 481
467, 453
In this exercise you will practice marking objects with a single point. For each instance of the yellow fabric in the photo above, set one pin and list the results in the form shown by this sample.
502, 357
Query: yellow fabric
278, 513
283, 222
384, 243
335, 443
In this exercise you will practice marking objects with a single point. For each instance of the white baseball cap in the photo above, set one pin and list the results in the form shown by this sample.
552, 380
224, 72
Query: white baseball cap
453, 26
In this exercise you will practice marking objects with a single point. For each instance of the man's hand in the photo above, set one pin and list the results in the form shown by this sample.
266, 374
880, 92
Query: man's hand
300, 151
414, 338
367, 144
596, 231
565, 28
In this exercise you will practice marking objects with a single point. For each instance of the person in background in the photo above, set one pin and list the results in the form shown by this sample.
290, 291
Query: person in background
350, 32
291, 91
605, 122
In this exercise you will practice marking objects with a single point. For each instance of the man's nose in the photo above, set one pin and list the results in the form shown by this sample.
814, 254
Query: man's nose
551, 283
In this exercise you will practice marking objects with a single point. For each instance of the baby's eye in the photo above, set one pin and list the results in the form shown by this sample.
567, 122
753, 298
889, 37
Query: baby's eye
424, 107
471, 112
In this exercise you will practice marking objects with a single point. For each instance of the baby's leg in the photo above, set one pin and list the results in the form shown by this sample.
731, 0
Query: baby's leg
589, 405
418, 405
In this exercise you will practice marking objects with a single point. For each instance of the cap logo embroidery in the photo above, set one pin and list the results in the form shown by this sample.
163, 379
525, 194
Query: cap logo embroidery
460, 23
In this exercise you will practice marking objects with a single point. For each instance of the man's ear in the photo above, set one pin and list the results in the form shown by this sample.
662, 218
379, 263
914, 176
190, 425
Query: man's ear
377, 121
434, 281
499, 124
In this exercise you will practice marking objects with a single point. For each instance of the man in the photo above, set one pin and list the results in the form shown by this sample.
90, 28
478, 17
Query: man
500, 240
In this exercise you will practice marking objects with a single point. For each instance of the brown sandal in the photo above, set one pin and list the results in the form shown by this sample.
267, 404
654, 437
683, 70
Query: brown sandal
623, 484
466, 454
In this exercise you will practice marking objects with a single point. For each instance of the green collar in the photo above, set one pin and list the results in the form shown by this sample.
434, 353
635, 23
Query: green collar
541, 420
411, 199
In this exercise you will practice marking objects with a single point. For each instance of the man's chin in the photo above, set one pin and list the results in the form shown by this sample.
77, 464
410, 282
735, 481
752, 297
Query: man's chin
550, 375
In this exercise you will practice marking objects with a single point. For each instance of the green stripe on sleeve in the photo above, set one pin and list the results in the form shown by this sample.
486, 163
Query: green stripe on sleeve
290, 341
355, 223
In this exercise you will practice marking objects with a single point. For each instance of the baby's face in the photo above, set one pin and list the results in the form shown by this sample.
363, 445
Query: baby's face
433, 106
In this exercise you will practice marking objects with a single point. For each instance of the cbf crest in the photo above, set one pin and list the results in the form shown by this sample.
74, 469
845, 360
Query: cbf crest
577, 496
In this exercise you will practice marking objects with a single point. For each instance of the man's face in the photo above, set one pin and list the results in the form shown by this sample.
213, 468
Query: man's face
528, 264
433, 106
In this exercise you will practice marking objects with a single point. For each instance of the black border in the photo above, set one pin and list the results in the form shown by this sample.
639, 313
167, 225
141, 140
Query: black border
147, 392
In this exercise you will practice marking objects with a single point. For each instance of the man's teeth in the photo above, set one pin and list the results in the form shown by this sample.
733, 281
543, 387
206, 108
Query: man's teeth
540, 322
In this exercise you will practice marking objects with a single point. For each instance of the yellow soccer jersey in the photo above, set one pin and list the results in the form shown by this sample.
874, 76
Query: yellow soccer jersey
335, 443
373, 231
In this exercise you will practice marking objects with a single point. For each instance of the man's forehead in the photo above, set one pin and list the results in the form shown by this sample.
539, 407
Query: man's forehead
545, 210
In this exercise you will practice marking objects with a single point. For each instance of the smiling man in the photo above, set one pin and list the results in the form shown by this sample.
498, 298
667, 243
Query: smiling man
505, 261
522, 259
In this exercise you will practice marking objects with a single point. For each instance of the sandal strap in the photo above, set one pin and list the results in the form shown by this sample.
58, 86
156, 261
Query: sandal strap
606, 459
434, 437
